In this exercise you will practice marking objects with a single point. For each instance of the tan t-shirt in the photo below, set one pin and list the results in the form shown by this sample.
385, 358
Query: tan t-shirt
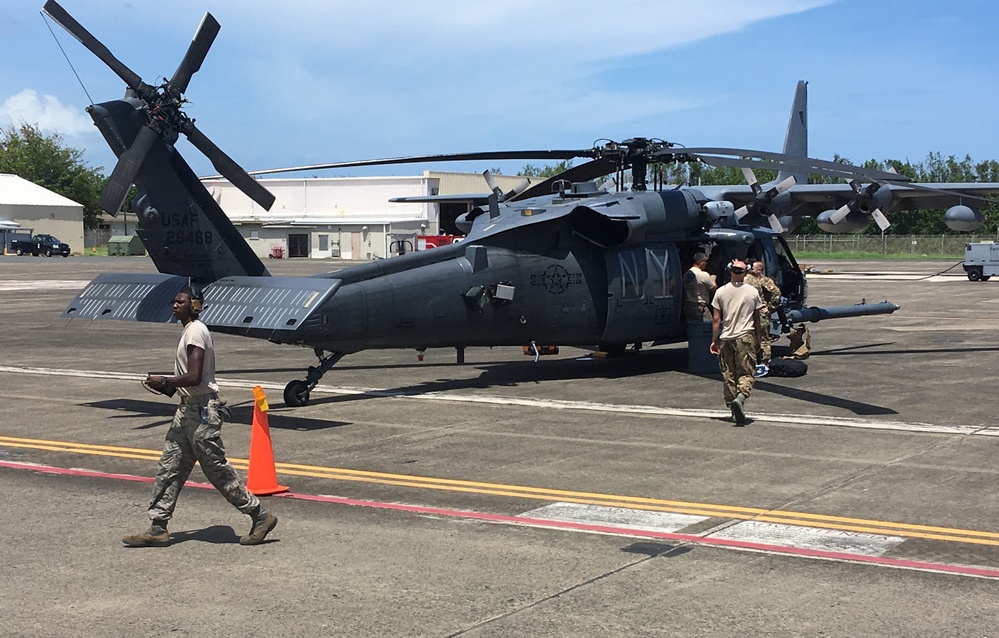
196, 334
737, 301
697, 285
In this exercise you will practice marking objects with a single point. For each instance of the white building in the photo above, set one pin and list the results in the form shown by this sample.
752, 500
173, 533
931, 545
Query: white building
346, 217
26, 207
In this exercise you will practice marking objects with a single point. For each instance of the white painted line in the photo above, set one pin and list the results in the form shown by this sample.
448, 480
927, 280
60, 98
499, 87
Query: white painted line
889, 277
47, 284
551, 404
816, 538
621, 517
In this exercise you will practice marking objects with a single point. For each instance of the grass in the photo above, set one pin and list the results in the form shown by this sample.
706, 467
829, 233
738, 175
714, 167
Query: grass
857, 255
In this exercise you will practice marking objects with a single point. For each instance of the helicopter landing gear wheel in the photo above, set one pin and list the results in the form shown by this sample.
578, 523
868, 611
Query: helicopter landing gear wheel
296, 394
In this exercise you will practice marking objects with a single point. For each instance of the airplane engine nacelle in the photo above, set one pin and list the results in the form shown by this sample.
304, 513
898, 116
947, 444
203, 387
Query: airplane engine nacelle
963, 218
880, 200
854, 222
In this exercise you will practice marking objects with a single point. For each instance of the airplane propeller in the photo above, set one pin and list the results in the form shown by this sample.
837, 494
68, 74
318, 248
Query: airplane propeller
864, 194
165, 119
761, 202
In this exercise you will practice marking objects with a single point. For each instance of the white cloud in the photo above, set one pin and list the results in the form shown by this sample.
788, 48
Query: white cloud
46, 112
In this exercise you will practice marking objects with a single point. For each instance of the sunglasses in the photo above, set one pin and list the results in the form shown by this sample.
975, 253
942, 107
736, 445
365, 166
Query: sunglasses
736, 270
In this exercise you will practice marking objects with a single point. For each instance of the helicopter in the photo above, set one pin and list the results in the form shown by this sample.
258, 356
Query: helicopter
562, 261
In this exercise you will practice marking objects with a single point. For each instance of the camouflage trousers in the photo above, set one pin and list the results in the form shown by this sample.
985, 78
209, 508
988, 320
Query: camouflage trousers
696, 311
192, 438
801, 341
763, 356
737, 357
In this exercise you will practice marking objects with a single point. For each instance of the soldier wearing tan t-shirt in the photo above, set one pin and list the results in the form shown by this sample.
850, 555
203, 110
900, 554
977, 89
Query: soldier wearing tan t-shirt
698, 285
195, 435
735, 337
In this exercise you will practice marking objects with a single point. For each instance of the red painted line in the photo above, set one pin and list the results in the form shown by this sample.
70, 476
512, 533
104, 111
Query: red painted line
48, 469
962, 570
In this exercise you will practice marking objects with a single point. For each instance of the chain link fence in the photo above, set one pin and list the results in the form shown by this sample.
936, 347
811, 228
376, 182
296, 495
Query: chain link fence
96, 237
915, 245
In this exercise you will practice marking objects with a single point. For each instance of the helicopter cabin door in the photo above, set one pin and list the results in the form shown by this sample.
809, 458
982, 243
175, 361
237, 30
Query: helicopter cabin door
643, 293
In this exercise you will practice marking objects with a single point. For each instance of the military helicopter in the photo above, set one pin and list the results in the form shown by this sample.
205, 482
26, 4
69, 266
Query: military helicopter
560, 262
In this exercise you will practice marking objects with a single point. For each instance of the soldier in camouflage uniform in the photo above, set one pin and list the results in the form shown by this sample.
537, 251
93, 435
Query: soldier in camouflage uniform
735, 337
770, 294
195, 434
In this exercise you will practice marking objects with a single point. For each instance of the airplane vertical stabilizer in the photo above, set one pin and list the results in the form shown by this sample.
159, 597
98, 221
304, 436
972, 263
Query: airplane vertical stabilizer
796, 139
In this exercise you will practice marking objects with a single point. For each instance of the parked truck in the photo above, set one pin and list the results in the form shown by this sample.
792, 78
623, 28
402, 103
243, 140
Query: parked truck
981, 261
40, 245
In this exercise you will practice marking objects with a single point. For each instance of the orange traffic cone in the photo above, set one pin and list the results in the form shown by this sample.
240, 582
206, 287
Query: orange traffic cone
261, 479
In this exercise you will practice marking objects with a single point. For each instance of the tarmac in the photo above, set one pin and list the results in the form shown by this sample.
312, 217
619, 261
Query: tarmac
575, 496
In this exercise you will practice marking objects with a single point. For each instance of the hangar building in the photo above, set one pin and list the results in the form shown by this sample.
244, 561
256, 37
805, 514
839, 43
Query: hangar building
348, 217
27, 208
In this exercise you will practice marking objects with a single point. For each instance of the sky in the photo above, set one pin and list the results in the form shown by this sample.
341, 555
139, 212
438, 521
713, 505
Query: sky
313, 81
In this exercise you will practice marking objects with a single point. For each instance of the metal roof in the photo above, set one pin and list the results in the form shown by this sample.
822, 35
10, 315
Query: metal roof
17, 191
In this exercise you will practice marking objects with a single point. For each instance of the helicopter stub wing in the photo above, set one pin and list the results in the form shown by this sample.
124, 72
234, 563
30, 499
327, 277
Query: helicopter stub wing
265, 303
128, 297
234, 303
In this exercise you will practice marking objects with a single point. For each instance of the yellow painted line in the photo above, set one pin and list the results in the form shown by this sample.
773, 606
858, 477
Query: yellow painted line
801, 519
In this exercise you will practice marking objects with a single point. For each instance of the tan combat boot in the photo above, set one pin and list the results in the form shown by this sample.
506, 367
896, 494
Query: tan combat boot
156, 536
263, 523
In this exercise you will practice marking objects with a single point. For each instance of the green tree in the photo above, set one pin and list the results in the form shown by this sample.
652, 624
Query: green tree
546, 171
45, 160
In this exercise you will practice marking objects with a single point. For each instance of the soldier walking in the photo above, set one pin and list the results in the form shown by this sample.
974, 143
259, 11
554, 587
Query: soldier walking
735, 337
195, 434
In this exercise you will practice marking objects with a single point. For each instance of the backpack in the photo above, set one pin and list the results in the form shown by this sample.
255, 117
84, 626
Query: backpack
787, 368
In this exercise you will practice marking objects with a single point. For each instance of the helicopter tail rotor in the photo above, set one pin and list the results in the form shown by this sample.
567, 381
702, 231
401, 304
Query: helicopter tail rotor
162, 109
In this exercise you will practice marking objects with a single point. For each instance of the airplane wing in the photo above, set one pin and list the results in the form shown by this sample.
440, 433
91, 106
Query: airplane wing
813, 199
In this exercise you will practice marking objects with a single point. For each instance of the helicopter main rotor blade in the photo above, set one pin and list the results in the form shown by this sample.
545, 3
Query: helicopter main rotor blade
229, 169
66, 21
806, 165
452, 157
780, 160
123, 176
582, 173
203, 39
